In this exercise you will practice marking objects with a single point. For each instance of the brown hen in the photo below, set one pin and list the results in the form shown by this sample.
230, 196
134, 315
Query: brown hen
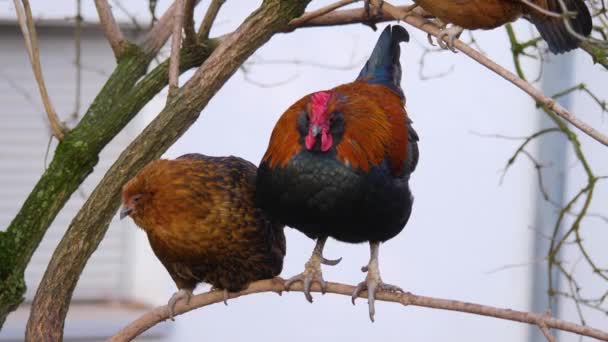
202, 224
489, 14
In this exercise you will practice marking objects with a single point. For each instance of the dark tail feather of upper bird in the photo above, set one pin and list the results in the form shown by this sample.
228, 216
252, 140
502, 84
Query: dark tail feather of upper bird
554, 31
383, 65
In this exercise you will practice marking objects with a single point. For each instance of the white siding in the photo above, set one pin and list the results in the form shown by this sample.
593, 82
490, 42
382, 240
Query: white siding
24, 136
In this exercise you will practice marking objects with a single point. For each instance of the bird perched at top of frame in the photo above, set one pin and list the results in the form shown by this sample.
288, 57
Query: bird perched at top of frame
339, 162
489, 14
202, 224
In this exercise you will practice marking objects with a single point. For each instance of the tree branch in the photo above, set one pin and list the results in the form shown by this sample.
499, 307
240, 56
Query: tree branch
176, 41
110, 27
90, 224
159, 34
542, 99
72, 162
351, 16
207, 23
75, 158
26, 23
543, 328
321, 11
189, 22
161, 313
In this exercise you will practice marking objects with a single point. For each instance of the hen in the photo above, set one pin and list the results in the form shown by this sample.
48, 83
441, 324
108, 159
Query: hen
202, 224
489, 14
339, 161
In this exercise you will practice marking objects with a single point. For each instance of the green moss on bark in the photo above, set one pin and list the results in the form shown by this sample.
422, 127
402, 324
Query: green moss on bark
89, 226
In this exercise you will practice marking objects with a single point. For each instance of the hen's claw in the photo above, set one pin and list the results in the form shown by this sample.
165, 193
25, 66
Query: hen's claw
373, 282
451, 33
225, 294
184, 294
312, 271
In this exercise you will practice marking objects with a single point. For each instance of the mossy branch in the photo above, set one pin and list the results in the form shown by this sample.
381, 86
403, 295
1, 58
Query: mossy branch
90, 224
73, 161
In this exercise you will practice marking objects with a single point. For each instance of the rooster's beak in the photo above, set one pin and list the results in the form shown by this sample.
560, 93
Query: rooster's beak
315, 129
124, 212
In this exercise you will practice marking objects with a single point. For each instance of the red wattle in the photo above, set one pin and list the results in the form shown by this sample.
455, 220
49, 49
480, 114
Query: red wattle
309, 141
326, 141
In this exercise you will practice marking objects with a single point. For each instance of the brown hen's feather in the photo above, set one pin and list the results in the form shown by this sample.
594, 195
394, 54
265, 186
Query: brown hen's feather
489, 14
200, 218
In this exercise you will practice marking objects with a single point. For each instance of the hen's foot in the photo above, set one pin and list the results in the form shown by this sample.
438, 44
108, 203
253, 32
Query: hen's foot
312, 270
225, 294
372, 13
373, 282
451, 33
183, 294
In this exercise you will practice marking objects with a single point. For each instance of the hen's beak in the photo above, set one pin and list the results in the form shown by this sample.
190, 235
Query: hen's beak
315, 129
124, 212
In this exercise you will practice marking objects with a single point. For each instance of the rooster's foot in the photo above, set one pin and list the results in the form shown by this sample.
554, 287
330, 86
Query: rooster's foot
312, 271
373, 281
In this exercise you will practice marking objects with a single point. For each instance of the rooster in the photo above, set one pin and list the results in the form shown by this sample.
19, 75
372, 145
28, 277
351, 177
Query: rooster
202, 224
339, 162
489, 14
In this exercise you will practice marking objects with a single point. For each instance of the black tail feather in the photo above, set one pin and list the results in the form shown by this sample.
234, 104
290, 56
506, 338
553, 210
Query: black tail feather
554, 31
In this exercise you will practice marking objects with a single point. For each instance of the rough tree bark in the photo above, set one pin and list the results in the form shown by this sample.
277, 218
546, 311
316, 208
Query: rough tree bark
75, 157
72, 162
89, 226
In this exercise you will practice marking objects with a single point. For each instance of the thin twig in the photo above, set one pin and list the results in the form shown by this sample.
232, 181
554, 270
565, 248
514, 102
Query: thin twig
158, 35
540, 9
543, 327
26, 23
77, 61
547, 102
176, 41
349, 16
321, 11
161, 313
110, 27
212, 11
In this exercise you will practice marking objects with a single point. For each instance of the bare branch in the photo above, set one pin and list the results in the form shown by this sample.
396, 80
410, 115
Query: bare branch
158, 35
26, 23
176, 40
351, 16
110, 27
540, 9
543, 327
161, 313
189, 22
321, 11
88, 227
212, 11
542, 99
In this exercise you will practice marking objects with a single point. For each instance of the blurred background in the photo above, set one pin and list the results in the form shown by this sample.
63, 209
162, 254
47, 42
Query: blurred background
471, 237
